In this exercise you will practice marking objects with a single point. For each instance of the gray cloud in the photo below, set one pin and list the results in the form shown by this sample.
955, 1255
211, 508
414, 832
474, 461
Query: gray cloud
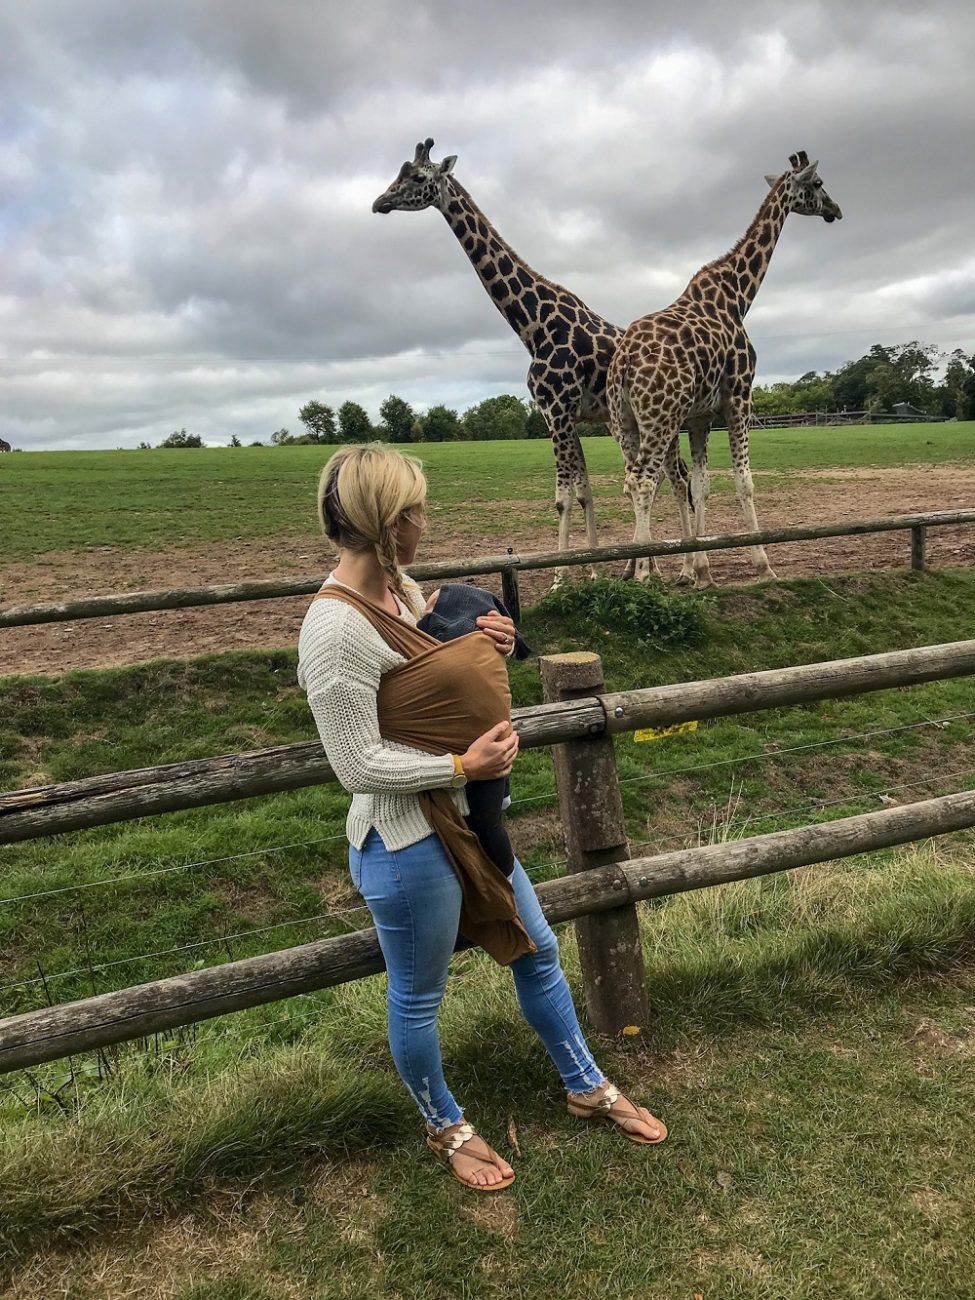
186, 189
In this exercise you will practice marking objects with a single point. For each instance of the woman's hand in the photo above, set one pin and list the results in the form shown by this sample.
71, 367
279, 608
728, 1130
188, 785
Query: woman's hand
500, 629
491, 755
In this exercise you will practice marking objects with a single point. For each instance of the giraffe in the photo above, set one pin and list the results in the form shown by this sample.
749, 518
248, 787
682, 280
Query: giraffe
684, 364
570, 346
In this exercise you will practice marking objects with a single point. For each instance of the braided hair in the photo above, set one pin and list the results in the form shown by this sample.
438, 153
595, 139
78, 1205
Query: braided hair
362, 493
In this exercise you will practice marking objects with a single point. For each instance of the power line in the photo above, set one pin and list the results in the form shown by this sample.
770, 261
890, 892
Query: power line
198, 360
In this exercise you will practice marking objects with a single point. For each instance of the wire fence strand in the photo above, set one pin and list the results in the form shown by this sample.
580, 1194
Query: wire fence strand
165, 871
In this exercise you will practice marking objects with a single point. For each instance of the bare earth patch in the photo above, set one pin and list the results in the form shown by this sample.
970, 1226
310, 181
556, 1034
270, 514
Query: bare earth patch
827, 496
161, 1259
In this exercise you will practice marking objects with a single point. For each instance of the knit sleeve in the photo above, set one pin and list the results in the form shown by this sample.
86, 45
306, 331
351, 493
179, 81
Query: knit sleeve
341, 661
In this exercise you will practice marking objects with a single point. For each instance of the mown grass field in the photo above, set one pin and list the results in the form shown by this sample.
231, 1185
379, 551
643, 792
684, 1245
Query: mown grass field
811, 1049
60, 500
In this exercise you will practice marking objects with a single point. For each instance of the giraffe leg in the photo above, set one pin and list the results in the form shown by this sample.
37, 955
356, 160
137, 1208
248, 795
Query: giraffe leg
571, 475
583, 492
700, 488
643, 484
737, 412
676, 472
563, 509
623, 427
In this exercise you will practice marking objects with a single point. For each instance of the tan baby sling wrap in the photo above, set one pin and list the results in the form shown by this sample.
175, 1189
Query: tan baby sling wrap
444, 697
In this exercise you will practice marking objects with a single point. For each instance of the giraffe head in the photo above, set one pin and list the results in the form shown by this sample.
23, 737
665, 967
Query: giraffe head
803, 191
420, 183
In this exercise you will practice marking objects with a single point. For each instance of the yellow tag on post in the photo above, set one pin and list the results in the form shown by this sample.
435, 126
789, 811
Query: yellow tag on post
653, 733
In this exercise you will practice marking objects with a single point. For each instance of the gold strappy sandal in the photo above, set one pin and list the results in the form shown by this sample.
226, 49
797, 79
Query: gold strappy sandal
602, 1108
445, 1148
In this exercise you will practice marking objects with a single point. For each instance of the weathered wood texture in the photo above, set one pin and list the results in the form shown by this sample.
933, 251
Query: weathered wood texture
122, 796
833, 679
610, 953
918, 540
137, 602
511, 593
38, 1036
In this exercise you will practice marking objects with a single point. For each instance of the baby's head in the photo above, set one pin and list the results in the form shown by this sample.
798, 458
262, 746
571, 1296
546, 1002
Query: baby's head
431, 601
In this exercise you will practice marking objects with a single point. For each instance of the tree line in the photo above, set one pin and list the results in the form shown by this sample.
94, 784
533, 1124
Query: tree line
496, 418
918, 373
921, 374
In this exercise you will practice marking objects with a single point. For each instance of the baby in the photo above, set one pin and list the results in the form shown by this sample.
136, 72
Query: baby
451, 612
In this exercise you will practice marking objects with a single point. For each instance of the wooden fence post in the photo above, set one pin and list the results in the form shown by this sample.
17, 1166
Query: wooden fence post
918, 538
509, 591
592, 816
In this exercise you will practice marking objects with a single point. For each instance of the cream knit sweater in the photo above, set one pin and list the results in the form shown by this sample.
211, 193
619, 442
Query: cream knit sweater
341, 658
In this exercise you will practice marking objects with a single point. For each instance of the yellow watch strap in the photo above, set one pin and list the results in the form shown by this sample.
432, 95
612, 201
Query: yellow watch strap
458, 765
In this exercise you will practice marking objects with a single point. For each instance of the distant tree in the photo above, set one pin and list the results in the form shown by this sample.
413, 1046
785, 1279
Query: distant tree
281, 438
397, 419
180, 438
957, 395
145, 446
234, 440
587, 430
319, 420
256, 443
440, 424
354, 423
496, 417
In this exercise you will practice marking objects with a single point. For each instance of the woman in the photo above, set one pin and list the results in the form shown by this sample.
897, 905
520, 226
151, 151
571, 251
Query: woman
415, 882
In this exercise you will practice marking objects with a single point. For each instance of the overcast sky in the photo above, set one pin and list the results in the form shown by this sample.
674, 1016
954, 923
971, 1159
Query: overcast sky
185, 192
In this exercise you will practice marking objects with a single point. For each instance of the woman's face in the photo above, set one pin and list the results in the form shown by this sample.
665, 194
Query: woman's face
410, 528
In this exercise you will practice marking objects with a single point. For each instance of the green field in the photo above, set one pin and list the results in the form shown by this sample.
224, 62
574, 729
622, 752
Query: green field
811, 1046
164, 499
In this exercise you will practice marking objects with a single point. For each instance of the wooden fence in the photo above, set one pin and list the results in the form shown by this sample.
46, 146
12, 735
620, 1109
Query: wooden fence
838, 419
601, 887
508, 565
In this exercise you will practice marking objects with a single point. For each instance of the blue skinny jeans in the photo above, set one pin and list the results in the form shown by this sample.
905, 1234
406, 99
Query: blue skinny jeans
414, 898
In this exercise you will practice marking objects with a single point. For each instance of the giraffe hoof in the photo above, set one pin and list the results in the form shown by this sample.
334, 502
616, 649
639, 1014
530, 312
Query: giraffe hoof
628, 571
684, 580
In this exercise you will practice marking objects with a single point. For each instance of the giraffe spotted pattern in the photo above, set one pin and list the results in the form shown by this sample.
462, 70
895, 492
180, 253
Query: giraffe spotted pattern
682, 366
569, 344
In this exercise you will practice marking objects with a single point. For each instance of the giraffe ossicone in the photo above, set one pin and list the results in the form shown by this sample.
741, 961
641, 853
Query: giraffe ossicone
681, 366
569, 344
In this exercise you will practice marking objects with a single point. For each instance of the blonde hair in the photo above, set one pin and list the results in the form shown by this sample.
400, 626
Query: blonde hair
362, 493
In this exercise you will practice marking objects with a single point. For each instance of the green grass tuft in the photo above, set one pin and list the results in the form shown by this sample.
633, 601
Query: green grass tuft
653, 619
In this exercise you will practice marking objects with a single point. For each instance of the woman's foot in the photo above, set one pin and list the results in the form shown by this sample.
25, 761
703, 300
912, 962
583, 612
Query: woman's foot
636, 1121
470, 1158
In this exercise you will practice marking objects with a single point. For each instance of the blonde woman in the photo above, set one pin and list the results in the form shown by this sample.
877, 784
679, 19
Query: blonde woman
372, 676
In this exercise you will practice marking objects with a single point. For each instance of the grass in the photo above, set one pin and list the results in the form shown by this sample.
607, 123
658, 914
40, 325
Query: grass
80, 500
811, 1047
176, 888
815, 1073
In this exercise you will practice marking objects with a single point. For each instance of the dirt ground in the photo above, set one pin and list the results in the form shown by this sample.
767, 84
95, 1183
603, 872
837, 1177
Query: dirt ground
799, 498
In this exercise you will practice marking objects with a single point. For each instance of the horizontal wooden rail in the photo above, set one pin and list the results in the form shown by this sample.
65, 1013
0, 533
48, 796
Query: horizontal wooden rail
38, 1036
123, 796
137, 602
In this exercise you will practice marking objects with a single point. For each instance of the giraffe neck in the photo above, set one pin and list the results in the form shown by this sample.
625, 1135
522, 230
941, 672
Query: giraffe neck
510, 281
742, 270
